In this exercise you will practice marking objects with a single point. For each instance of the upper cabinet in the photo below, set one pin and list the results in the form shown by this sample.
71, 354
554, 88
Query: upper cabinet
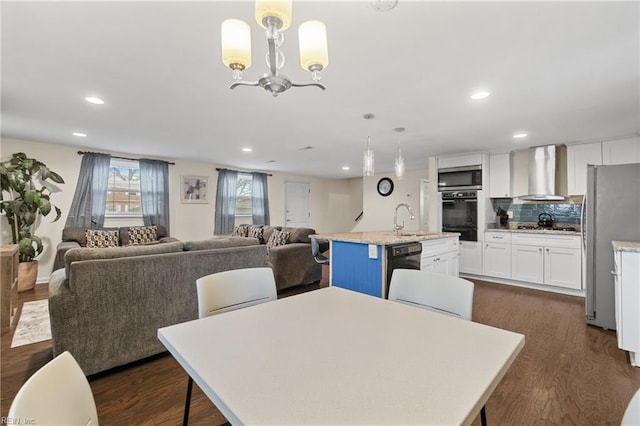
499, 176
621, 151
578, 157
459, 160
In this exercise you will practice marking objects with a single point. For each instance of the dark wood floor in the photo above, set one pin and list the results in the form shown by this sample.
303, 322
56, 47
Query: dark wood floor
568, 373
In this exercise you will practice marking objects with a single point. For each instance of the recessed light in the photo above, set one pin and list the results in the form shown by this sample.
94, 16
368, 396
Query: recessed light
80, 134
345, 168
247, 149
94, 100
519, 135
480, 95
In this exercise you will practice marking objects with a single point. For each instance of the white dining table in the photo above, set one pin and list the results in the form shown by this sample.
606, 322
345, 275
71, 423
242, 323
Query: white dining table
333, 356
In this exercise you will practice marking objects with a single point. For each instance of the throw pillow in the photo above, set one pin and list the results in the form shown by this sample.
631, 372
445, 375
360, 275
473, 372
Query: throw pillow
240, 231
100, 239
143, 235
257, 232
278, 238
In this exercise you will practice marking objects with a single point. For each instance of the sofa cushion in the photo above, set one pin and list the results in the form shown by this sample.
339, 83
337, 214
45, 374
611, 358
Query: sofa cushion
84, 253
79, 235
267, 230
142, 235
224, 242
240, 231
278, 238
96, 238
299, 235
161, 232
256, 231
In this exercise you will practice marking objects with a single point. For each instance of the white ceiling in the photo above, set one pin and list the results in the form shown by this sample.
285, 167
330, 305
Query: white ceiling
563, 72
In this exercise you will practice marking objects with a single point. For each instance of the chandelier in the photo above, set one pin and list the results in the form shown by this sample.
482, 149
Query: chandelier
275, 17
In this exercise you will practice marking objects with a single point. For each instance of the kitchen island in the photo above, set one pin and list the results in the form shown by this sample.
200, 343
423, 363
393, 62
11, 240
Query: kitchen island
360, 261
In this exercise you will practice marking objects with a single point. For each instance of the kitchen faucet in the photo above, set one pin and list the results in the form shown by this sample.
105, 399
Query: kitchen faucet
397, 227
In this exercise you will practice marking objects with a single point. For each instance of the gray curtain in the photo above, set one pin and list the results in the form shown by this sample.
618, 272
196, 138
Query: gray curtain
260, 199
154, 192
226, 195
89, 200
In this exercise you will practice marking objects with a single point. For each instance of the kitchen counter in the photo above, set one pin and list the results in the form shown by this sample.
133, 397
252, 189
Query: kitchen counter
384, 238
633, 246
534, 231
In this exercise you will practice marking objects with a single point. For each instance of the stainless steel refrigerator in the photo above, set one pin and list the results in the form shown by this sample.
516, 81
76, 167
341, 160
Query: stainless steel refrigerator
611, 211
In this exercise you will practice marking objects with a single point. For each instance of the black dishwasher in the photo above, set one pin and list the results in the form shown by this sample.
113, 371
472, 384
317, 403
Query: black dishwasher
402, 256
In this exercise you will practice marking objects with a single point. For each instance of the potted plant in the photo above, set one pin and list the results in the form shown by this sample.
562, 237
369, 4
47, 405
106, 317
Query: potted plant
24, 198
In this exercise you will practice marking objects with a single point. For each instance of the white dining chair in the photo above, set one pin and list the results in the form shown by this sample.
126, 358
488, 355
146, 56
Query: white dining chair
442, 293
446, 294
56, 394
229, 291
632, 413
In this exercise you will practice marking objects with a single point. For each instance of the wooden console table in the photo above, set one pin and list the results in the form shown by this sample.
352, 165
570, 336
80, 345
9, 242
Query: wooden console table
9, 282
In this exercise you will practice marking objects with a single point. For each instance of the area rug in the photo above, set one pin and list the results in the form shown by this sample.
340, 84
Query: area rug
33, 325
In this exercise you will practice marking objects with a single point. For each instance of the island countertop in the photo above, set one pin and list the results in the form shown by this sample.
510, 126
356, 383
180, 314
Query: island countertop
384, 238
626, 245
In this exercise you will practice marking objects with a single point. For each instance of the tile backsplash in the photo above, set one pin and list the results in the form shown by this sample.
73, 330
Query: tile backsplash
568, 213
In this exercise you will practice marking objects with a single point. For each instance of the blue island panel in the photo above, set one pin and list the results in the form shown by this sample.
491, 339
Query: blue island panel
352, 269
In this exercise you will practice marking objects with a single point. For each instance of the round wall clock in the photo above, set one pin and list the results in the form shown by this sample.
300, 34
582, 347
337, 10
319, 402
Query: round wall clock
385, 186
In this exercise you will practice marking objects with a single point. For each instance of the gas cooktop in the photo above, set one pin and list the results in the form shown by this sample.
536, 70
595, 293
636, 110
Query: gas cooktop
547, 228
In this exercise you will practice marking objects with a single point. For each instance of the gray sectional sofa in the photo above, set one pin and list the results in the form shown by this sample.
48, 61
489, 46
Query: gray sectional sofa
106, 304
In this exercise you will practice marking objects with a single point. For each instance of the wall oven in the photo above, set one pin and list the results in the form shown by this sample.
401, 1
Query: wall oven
460, 214
460, 178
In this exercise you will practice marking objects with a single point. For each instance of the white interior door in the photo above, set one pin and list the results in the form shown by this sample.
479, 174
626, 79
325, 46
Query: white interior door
296, 207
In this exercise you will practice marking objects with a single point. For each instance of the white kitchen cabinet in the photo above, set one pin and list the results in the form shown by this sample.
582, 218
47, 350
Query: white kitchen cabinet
459, 160
627, 302
551, 259
578, 157
471, 257
497, 255
527, 263
499, 176
622, 151
440, 256
563, 267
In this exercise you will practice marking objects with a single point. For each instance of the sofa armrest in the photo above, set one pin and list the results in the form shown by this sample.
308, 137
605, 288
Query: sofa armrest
61, 249
293, 265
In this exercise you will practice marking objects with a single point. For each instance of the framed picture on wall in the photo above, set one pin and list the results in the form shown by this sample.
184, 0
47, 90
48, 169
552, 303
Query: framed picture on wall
195, 189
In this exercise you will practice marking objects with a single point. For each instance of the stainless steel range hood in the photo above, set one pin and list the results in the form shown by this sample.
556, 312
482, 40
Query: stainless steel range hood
547, 173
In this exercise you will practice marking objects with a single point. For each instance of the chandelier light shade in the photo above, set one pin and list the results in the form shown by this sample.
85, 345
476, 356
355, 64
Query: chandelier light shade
279, 9
314, 56
275, 17
368, 160
236, 45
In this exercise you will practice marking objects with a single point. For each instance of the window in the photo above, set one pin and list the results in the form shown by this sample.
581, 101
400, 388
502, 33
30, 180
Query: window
123, 193
243, 198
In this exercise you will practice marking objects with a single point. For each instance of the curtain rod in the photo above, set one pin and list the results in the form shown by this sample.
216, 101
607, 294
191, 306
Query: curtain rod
122, 158
220, 168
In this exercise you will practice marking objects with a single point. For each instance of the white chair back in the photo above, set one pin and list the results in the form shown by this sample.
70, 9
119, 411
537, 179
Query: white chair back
230, 290
430, 290
56, 394
632, 413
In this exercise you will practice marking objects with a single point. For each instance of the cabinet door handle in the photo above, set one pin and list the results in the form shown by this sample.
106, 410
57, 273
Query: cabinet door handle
540, 250
547, 250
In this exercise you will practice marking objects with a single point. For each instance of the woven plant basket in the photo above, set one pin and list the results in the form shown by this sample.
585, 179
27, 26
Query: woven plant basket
27, 275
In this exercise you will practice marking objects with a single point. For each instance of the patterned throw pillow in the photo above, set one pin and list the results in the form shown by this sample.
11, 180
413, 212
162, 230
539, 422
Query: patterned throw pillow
101, 239
278, 238
143, 235
240, 231
257, 232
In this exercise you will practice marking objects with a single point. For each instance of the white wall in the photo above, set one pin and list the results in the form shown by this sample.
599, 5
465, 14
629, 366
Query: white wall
330, 198
379, 210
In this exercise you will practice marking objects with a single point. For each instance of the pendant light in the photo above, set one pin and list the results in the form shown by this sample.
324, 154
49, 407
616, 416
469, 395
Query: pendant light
399, 159
368, 167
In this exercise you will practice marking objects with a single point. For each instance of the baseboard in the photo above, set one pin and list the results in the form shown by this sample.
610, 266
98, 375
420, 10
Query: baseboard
547, 288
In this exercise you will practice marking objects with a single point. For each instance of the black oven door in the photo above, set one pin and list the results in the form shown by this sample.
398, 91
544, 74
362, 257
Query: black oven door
461, 216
